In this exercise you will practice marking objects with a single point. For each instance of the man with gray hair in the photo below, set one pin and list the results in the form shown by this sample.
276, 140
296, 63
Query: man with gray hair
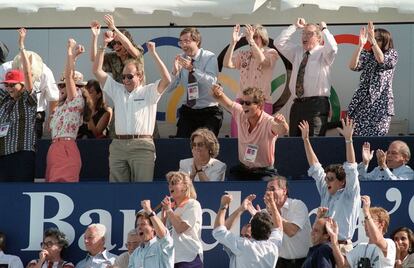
133, 241
98, 256
392, 164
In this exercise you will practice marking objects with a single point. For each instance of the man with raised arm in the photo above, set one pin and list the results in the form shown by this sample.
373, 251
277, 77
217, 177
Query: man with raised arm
338, 185
262, 249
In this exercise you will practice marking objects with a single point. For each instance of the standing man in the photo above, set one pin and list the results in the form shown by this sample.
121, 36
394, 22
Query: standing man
296, 224
98, 256
392, 164
311, 74
132, 151
196, 69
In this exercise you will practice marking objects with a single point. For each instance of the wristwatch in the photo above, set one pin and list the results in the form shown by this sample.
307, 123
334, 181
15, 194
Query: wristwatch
152, 214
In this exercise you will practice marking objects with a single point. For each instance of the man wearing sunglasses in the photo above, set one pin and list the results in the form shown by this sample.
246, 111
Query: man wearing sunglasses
257, 132
132, 151
196, 69
338, 185
310, 82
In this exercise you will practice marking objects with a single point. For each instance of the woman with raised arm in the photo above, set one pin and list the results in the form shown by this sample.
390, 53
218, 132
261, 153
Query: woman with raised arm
372, 105
63, 161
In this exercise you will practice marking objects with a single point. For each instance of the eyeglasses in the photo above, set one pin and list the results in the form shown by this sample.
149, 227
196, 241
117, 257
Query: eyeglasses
247, 103
308, 34
185, 41
10, 84
131, 244
61, 86
128, 76
198, 144
330, 179
47, 244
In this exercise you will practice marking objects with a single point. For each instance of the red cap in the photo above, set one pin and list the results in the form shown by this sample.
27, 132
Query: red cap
14, 76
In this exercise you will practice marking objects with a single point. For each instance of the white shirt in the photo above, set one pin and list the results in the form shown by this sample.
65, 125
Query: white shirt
297, 246
135, 111
215, 169
374, 253
122, 261
11, 260
317, 79
4, 68
402, 172
250, 252
188, 244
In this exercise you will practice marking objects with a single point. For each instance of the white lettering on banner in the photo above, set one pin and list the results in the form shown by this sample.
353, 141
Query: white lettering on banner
411, 209
212, 214
394, 195
105, 218
37, 217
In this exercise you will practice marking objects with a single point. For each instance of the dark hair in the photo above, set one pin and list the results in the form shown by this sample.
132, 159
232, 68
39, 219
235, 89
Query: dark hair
258, 96
386, 39
262, 226
142, 214
195, 34
2, 241
60, 236
87, 109
338, 169
127, 35
100, 104
410, 236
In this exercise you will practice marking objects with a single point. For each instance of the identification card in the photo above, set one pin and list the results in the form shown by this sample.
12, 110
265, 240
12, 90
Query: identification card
192, 91
251, 152
4, 129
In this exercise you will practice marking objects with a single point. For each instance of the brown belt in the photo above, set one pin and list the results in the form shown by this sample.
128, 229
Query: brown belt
130, 137
345, 242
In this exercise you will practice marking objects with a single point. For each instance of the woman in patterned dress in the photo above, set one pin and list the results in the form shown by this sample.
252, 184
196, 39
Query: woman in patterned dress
63, 161
372, 105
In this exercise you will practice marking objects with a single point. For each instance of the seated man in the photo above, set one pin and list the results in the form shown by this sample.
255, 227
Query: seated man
257, 132
157, 249
7, 260
133, 241
262, 249
378, 252
320, 254
338, 185
98, 256
392, 165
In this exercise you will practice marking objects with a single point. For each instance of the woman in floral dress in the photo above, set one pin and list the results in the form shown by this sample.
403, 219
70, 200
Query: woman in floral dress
63, 158
372, 105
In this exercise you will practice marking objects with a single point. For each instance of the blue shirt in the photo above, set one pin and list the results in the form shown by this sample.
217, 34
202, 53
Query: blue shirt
403, 172
100, 260
345, 203
156, 253
320, 256
206, 72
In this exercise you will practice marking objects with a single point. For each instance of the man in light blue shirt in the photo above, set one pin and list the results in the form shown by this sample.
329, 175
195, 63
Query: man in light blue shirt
337, 185
157, 249
392, 164
197, 70
98, 256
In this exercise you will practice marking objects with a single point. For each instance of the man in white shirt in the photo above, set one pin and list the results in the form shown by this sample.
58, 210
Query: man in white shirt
132, 152
262, 249
392, 164
379, 252
310, 82
7, 260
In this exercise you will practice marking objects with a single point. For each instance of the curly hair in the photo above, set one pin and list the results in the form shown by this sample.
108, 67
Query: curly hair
174, 177
59, 235
258, 96
261, 226
338, 169
210, 140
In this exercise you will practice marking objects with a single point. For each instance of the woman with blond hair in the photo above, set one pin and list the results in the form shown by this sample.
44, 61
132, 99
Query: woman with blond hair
203, 166
256, 65
182, 215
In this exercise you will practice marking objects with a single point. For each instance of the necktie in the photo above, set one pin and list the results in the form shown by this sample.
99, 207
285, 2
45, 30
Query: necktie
49, 264
191, 79
301, 75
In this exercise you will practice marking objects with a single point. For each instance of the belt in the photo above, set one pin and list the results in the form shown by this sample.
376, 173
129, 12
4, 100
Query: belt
130, 137
291, 261
345, 242
62, 139
303, 99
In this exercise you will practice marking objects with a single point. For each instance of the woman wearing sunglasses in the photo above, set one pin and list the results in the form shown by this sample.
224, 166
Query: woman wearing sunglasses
203, 166
50, 255
63, 161
17, 122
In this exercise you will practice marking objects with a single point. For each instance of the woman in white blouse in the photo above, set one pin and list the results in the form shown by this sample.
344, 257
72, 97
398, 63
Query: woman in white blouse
203, 166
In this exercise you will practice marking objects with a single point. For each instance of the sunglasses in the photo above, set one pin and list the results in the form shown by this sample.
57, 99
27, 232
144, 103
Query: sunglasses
128, 76
247, 103
330, 179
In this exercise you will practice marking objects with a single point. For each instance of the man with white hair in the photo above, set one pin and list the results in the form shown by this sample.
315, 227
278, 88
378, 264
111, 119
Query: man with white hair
98, 256
133, 241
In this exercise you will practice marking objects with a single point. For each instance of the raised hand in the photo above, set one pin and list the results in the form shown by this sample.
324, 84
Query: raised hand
367, 154
79, 49
249, 31
362, 37
304, 128
381, 158
366, 204
269, 200
300, 22
226, 199
110, 22
176, 65
347, 128
185, 63
321, 212
146, 206
151, 47
96, 28
22, 36
166, 203
371, 32
279, 118
217, 90
332, 229
71, 43
236, 36
247, 202
108, 37
322, 25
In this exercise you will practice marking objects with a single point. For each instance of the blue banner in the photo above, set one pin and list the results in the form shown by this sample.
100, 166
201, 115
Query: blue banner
28, 209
